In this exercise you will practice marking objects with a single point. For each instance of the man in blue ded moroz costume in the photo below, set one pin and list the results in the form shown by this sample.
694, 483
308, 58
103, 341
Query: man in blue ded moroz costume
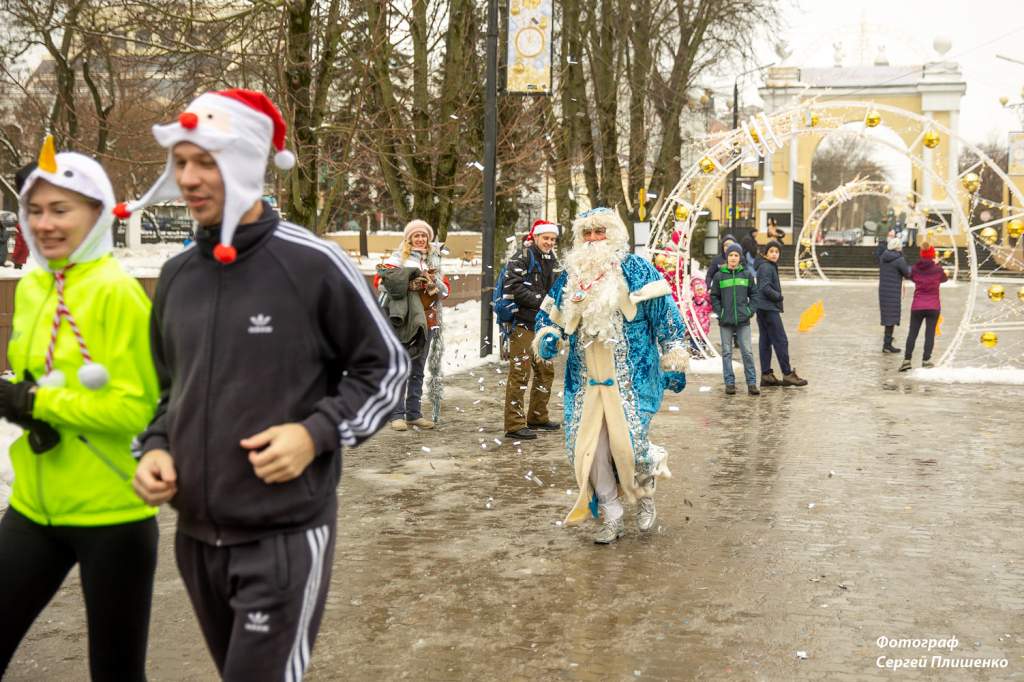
625, 347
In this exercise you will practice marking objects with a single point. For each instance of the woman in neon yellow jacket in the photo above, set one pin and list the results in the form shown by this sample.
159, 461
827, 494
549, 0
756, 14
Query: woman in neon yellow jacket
84, 386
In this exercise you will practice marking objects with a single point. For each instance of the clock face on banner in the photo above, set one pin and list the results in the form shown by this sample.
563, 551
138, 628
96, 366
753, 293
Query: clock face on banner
529, 42
529, 47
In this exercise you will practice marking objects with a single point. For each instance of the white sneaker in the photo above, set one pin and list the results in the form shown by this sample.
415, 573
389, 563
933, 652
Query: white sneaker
610, 531
646, 514
399, 425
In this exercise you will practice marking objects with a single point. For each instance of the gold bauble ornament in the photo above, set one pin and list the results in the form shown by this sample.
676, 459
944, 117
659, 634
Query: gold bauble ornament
1004, 100
996, 292
805, 242
661, 261
989, 235
872, 119
682, 213
989, 339
971, 182
754, 137
707, 165
805, 265
1020, 293
670, 266
931, 139
813, 119
1015, 227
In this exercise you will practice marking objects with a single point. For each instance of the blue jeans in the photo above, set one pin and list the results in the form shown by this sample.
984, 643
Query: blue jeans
414, 386
772, 335
742, 334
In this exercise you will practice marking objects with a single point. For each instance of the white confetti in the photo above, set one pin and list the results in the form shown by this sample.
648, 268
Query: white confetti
425, 449
811, 506
801, 655
673, 408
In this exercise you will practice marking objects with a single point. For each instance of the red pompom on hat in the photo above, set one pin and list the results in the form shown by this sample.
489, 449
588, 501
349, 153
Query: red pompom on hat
928, 253
283, 159
542, 227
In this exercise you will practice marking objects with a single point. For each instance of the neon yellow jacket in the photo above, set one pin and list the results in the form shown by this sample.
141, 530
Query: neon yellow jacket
86, 480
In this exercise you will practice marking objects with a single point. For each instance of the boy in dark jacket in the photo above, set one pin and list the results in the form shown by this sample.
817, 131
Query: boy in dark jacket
272, 354
771, 332
730, 297
530, 274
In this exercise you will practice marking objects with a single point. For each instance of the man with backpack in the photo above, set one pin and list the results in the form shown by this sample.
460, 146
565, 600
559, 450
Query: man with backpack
526, 280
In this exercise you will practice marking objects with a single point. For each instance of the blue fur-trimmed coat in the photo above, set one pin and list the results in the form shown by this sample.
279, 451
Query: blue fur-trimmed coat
653, 334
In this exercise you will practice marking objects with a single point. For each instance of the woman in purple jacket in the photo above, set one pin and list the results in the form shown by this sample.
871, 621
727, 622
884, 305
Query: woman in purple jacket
927, 276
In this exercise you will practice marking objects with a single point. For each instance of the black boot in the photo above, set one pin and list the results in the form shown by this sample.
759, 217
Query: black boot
887, 346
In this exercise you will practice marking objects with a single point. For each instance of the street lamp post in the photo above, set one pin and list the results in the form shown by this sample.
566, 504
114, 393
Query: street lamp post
490, 161
735, 125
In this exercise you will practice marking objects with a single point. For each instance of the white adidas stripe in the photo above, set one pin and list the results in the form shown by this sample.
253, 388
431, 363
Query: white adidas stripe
393, 377
359, 423
298, 659
379, 406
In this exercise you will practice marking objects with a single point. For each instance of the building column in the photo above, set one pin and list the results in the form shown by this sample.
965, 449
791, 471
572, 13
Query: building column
953, 162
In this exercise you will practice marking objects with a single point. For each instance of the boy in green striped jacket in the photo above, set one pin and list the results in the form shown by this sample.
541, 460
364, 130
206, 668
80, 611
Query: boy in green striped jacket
731, 289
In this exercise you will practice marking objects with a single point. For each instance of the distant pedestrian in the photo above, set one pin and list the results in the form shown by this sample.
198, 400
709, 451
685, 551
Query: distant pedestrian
731, 289
771, 332
892, 270
928, 276
719, 260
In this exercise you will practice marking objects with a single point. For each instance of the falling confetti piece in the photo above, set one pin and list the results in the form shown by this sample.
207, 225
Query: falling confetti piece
673, 408
810, 506
801, 655
705, 389
425, 449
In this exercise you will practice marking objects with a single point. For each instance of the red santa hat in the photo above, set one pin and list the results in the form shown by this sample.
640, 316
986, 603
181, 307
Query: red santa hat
236, 127
541, 227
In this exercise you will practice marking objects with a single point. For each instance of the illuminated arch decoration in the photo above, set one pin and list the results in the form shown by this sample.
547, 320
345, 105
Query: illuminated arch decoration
989, 263
937, 232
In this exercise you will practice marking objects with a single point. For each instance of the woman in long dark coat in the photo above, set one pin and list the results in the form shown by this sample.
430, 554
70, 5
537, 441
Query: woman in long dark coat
892, 270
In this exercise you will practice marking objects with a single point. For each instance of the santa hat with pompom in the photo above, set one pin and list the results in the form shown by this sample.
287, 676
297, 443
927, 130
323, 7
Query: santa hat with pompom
236, 127
541, 227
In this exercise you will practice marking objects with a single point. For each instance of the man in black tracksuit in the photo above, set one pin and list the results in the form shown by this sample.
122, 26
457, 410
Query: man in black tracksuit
272, 354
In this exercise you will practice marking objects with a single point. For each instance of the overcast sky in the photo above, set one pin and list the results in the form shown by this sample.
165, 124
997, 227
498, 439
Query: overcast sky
979, 30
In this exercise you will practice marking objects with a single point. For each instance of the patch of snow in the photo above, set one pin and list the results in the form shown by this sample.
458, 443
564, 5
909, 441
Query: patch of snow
462, 339
970, 375
8, 434
711, 366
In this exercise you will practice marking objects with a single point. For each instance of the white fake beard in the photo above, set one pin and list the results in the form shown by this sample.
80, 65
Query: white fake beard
599, 312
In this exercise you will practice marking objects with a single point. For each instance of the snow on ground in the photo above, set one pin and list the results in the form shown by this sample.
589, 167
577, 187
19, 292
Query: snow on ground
462, 338
8, 434
970, 375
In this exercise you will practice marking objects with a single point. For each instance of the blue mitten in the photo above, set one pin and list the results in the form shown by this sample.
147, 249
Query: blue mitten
548, 347
674, 381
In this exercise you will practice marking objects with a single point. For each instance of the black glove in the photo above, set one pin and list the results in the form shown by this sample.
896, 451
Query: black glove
16, 400
16, 403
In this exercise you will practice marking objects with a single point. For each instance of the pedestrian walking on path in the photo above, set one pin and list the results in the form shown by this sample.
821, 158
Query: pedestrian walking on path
892, 270
84, 386
926, 307
626, 345
731, 288
413, 288
767, 300
272, 354
529, 275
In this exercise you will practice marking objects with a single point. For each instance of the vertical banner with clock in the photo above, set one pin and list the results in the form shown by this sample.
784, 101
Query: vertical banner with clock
529, 47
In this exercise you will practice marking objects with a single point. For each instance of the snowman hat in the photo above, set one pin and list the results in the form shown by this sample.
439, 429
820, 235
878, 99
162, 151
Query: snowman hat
237, 127
82, 175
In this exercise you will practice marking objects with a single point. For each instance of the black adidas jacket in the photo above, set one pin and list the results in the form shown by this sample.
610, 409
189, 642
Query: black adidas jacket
289, 332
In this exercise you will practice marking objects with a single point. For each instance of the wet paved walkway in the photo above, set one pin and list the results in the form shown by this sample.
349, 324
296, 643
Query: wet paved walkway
811, 520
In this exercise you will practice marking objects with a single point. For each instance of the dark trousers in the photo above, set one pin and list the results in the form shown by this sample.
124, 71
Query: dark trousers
411, 409
259, 604
772, 336
889, 330
116, 564
931, 320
